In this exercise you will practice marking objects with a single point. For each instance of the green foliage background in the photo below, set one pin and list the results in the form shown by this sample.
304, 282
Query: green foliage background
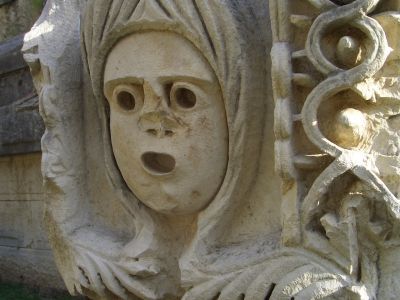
38, 4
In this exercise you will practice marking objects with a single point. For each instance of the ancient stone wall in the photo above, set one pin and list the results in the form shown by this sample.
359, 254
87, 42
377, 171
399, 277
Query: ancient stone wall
24, 250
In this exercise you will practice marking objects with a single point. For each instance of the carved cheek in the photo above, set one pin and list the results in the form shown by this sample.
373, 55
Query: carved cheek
124, 131
204, 124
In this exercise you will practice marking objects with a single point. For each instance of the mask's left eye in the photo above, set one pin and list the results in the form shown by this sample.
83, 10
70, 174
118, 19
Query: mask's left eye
128, 98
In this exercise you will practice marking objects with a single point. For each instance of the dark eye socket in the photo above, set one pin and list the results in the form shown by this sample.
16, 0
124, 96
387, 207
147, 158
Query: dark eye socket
126, 100
185, 98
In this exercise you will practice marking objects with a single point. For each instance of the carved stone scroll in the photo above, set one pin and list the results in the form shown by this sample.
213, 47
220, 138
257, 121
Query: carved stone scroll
336, 105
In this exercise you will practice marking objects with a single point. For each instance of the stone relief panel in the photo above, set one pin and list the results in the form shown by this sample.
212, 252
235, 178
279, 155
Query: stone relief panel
158, 145
336, 106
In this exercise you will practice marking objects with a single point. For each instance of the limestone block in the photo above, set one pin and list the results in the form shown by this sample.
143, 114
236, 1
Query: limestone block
25, 254
164, 119
21, 178
29, 266
21, 126
21, 224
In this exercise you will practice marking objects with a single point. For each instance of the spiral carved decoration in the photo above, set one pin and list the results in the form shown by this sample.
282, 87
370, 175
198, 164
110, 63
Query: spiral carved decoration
340, 105
337, 79
354, 14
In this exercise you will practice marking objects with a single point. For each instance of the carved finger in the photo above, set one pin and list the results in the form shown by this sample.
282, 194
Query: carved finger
90, 272
237, 288
263, 286
109, 280
209, 290
141, 268
134, 286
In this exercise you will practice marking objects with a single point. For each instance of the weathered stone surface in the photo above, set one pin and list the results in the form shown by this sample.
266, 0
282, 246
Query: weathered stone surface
188, 134
11, 59
21, 127
25, 255
18, 227
29, 266
122, 92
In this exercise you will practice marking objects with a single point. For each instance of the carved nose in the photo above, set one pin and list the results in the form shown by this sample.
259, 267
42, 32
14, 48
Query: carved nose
158, 123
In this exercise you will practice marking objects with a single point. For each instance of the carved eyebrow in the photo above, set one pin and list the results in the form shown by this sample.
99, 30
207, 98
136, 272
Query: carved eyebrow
137, 80
128, 79
111, 84
191, 79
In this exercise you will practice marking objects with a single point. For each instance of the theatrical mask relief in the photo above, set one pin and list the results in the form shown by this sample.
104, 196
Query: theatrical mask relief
167, 121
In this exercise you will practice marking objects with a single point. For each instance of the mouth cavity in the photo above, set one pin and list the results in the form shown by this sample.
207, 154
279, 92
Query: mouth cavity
158, 163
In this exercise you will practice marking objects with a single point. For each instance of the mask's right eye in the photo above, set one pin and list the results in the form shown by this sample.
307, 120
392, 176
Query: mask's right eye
128, 98
183, 95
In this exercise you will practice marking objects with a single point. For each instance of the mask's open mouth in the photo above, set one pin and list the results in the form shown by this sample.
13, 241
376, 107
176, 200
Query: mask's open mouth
158, 163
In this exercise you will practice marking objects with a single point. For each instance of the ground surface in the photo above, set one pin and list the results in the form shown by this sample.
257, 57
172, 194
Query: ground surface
20, 292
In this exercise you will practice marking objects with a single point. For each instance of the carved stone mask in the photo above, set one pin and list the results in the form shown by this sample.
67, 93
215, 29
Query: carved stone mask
167, 121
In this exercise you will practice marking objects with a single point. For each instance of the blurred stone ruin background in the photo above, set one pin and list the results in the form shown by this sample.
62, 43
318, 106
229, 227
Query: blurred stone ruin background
25, 255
